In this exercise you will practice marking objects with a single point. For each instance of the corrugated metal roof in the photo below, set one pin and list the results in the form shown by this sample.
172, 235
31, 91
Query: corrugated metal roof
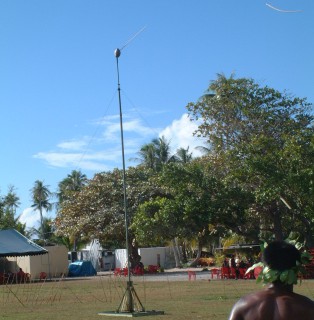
239, 246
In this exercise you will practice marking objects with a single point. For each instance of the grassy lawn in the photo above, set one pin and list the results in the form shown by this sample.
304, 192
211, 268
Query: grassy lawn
83, 299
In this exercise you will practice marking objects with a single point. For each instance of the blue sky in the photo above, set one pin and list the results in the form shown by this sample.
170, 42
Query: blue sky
58, 79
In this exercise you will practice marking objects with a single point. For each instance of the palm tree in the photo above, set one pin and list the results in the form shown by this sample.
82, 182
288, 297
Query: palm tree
11, 201
72, 183
205, 150
48, 229
147, 155
40, 196
183, 155
155, 154
2, 206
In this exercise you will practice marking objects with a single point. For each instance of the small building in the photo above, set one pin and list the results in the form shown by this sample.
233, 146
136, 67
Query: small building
54, 263
17, 251
160, 256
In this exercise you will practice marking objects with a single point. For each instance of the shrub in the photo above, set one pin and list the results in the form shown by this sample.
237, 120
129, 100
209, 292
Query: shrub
205, 262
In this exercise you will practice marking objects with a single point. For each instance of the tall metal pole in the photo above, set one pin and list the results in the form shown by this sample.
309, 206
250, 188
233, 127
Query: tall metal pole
130, 303
117, 55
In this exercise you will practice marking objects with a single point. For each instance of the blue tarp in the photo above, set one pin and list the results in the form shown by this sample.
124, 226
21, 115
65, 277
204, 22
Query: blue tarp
81, 269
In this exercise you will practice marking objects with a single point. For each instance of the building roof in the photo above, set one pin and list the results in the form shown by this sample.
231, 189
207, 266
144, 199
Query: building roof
239, 246
14, 244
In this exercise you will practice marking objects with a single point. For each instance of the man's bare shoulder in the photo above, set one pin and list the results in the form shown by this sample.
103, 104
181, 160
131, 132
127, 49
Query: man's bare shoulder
246, 305
269, 304
301, 299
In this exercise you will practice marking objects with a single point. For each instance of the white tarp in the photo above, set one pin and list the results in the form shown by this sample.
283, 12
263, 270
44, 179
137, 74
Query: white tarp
120, 258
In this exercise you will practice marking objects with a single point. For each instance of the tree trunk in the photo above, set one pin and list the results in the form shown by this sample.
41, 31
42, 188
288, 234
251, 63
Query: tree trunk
199, 252
42, 223
277, 222
184, 255
308, 231
176, 253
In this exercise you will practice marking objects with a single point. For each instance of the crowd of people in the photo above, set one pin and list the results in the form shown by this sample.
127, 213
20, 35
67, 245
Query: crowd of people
236, 262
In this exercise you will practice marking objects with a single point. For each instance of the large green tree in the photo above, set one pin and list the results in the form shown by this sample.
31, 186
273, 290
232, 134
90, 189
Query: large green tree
253, 133
193, 199
98, 209
67, 188
241, 110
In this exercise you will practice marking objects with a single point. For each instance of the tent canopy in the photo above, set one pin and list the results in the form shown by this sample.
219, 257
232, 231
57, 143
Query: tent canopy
14, 244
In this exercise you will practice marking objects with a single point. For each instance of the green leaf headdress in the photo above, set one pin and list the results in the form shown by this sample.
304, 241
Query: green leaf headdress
289, 276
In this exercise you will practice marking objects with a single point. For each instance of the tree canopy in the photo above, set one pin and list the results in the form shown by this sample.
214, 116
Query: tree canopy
259, 136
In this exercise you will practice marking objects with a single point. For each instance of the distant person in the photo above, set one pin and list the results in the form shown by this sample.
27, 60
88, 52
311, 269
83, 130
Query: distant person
278, 301
234, 266
242, 264
10, 276
250, 261
20, 275
225, 263
237, 261
232, 262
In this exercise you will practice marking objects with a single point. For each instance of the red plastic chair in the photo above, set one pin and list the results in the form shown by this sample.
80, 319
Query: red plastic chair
191, 275
242, 274
125, 272
233, 273
215, 272
138, 271
2, 278
257, 271
117, 272
152, 269
225, 273
43, 276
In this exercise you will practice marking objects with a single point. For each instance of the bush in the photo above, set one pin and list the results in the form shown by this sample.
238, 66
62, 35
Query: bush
205, 262
219, 258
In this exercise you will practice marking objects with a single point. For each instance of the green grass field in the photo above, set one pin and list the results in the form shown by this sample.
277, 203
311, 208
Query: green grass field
85, 298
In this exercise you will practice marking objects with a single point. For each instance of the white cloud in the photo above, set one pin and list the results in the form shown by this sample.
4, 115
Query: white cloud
32, 217
131, 124
72, 145
100, 153
180, 135
104, 153
88, 161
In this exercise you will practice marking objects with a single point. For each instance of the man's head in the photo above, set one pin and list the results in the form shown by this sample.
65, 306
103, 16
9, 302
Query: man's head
280, 255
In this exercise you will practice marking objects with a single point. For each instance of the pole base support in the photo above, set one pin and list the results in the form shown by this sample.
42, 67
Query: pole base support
131, 314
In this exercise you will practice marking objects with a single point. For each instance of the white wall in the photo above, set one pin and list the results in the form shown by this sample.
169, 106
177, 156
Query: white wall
149, 256
153, 256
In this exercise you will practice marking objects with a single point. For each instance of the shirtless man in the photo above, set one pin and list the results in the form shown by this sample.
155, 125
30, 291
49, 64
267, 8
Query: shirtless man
278, 301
